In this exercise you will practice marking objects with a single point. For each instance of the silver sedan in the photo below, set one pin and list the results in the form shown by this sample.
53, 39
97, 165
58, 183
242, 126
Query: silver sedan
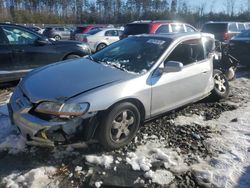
108, 95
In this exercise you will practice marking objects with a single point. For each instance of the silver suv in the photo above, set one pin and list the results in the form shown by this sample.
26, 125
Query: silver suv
108, 95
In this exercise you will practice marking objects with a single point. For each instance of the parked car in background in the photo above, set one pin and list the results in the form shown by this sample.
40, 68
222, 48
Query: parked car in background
98, 39
109, 95
58, 33
22, 49
239, 47
85, 29
223, 31
156, 27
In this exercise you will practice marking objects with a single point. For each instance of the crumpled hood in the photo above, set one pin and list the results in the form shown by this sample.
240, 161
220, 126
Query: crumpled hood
60, 81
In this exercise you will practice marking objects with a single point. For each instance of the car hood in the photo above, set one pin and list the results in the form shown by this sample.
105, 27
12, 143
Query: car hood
64, 80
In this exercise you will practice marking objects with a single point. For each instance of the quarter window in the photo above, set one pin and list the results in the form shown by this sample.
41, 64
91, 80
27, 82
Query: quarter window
189, 29
18, 36
162, 29
188, 52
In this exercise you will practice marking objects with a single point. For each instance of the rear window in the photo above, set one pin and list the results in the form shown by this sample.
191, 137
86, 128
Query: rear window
136, 29
94, 31
80, 29
215, 28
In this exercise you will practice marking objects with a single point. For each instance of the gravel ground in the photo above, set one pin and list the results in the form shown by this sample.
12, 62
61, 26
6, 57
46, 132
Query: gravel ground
188, 140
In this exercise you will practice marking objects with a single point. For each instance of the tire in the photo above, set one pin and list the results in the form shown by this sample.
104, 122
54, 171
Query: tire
120, 126
57, 37
100, 46
72, 56
221, 86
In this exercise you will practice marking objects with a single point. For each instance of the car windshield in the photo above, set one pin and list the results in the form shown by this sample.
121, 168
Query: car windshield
215, 27
94, 31
134, 54
136, 29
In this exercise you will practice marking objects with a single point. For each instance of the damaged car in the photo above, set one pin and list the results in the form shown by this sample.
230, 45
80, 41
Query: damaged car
108, 95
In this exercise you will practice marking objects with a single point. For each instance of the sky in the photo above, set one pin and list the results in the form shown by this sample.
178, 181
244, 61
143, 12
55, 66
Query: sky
217, 5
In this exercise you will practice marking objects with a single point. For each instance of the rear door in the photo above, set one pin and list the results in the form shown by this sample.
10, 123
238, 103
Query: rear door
172, 90
232, 30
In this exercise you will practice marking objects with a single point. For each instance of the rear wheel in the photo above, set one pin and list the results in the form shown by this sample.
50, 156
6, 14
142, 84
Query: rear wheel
100, 46
57, 37
221, 86
119, 126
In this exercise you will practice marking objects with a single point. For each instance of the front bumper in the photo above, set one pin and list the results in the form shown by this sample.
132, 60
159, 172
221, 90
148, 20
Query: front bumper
42, 132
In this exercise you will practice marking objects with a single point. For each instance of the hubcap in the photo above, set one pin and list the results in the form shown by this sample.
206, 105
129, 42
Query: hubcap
220, 83
122, 125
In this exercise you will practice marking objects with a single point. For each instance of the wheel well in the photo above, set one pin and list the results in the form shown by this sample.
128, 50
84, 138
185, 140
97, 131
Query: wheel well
101, 43
72, 53
135, 102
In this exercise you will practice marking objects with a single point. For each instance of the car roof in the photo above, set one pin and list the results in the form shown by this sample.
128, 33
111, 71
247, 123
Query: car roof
174, 36
156, 22
221, 22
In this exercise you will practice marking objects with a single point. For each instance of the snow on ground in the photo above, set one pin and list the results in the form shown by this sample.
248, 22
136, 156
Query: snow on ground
233, 145
38, 178
104, 160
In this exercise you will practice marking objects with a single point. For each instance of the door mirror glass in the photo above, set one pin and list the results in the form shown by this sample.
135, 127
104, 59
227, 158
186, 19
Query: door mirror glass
172, 66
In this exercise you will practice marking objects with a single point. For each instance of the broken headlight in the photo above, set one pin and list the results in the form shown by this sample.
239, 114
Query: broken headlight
72, 109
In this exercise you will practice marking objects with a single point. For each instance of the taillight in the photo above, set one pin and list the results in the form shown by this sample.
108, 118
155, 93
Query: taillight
226, 36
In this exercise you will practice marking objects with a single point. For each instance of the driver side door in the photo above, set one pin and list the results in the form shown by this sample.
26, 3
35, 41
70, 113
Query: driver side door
174, 89
26, 54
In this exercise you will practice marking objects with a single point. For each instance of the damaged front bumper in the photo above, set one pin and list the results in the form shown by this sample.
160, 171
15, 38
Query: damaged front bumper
49, 132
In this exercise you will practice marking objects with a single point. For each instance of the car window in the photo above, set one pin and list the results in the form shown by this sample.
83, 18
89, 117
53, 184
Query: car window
2, 38
111, 33
188, 52
133, 54
94, 31
189, 29
19, 36
241, 27
215, 28
120, 32
60, 29
136, 29
209, 45
163, 29
233, 27
177, 28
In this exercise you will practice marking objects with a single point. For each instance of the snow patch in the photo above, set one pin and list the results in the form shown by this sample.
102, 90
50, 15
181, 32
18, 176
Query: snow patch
104, 160
39, 178
161, 177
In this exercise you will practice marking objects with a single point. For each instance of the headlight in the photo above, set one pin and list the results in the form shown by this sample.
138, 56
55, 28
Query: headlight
74, 109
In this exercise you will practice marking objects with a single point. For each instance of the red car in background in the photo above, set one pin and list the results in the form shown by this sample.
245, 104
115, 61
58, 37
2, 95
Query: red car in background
85, 29
156, 27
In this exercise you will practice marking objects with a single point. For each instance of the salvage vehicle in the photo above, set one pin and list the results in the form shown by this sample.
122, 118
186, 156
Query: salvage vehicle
58, 33
239, 47
108, 95
22, 50
98, 39
85, 29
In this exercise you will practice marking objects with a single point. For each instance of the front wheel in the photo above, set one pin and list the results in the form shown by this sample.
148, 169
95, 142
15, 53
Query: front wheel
221, 86
100, 46
119, 126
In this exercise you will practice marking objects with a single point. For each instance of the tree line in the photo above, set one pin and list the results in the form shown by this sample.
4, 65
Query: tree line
118, 11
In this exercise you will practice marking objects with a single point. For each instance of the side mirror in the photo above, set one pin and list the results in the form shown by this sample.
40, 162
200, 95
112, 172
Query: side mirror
41, 42
172, 66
